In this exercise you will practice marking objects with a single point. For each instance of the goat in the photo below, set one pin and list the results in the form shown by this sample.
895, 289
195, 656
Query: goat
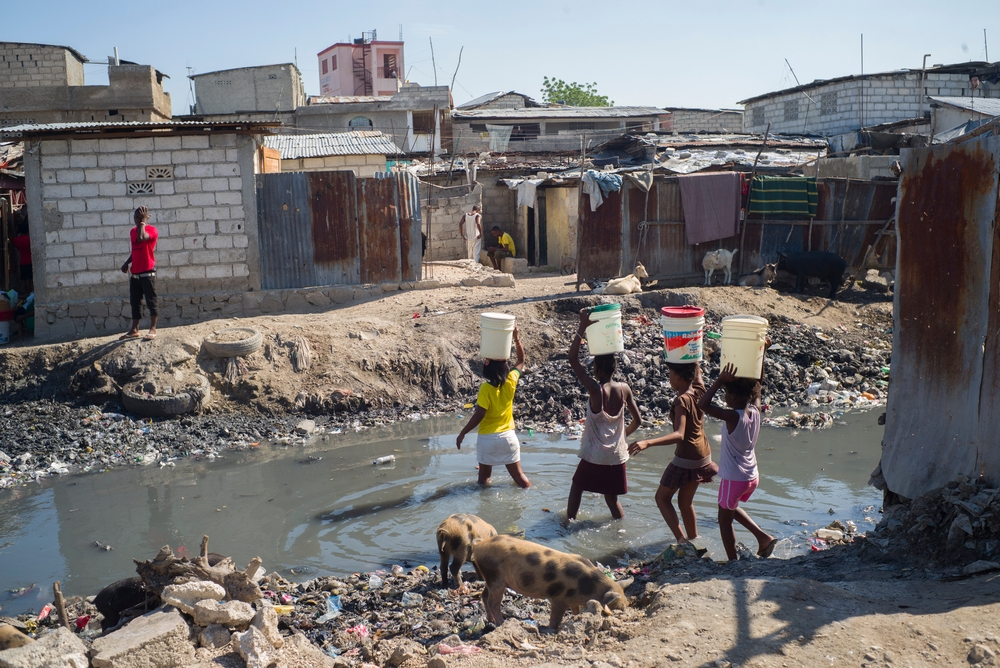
719, 259
625, 285
567, 265
760, 278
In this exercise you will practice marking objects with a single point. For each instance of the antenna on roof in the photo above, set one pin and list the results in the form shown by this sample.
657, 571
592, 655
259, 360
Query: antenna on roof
401, 32
986, 45
193, 99
117, 62
296, 57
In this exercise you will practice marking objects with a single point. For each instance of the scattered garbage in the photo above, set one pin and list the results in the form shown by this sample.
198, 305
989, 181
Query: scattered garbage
387, 459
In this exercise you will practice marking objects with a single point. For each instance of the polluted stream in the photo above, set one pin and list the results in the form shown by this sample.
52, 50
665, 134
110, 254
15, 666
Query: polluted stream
325, 509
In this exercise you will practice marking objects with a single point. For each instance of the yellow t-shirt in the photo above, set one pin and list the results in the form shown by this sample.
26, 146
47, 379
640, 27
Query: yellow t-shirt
507, 241
499, 405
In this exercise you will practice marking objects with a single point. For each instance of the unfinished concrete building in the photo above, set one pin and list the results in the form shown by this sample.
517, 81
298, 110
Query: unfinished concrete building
268, 89
44, 83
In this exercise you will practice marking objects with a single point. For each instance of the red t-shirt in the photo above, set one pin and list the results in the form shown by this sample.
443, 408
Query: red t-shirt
23, 245
143, 259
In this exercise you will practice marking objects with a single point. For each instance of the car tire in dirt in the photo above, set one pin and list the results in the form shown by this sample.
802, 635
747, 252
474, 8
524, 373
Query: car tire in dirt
251, 342
165, 405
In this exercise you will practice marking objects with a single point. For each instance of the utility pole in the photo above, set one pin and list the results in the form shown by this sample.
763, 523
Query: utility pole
433, 62
923, 89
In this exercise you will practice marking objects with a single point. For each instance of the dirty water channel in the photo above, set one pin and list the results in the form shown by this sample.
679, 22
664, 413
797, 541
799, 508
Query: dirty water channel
306, 516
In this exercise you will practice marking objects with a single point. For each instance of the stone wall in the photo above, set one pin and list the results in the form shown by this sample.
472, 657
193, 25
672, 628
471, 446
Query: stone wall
81, 195
441, 209
38, 65
835, 108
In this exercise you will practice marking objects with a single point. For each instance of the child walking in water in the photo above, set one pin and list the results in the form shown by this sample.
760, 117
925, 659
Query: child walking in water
497, 443
692, 463
603, 450
737, 461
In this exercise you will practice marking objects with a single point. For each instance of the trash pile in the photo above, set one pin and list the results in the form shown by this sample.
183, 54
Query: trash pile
806, 369
956, 525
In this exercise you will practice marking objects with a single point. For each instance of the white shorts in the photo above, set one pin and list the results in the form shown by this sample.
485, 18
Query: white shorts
498, 449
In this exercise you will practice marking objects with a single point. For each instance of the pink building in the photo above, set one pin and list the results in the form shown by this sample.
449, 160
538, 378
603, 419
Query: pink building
366, 67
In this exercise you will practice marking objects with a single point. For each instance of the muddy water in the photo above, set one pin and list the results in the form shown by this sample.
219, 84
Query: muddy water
341, 514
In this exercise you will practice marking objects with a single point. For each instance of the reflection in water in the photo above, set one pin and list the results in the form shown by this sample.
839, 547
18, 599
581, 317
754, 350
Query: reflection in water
342, 514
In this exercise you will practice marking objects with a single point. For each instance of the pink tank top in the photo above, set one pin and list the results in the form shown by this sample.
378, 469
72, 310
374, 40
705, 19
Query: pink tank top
603, 439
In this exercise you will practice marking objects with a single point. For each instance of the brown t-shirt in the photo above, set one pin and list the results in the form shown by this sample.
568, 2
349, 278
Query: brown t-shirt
694, 445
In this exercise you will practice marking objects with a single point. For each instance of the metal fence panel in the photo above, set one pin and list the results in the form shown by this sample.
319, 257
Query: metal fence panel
942, 418
285, 222
378, 225
410, 240
600, 238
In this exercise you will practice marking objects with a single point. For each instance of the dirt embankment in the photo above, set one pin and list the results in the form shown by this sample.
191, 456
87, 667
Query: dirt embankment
410, 352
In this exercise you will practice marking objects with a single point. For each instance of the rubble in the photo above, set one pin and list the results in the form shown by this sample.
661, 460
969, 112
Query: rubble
58, 647
955, 525
159, 637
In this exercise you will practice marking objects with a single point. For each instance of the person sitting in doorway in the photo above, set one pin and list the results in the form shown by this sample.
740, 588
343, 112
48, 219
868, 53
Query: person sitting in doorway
22, 242
505, 247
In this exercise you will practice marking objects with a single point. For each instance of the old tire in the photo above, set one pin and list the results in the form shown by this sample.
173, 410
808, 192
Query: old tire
164, 405
245, 346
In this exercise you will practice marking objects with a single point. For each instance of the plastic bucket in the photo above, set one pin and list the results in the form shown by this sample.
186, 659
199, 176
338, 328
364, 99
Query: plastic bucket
604, 337
496, 335
743, 339
4, 332
683, 327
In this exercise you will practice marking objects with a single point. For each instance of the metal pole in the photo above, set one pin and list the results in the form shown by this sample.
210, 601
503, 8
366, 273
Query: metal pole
923, 90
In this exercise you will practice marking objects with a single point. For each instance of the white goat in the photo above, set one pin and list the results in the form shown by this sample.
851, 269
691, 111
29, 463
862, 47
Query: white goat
625, 285
719, 259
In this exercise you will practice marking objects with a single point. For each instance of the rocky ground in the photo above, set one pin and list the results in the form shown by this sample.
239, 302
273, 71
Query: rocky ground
410, 353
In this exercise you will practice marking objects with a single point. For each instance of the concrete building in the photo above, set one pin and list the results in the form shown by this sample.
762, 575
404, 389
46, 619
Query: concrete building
947, 113
406, 116
846, 104
687, 121
45, 84
83, 185
247, 90
365, 66
364, 153
512, 121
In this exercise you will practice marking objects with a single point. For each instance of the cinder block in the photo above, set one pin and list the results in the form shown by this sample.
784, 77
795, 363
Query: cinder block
183, 229
167, 244
54, 147
52, 191
240, 270
95, 175
206, 226
88, 278
236, 183
212, 155
215, 184
222, 141
201, 199
229, 197
514, 265
111, 160
194, 242
230, 226
69, 236
116, 247
173, 201
194, 141
191, 272
217, 241
84, 248
233, 255
162, 158
67, 176
199, 171
55, 162
100, 204
83, 146
232, 155
101, 262
139, 144
71, 205
151, 202
124, 204
178, 259
70, 264
217, 213
83, 161
113, 190
236, 213
184, 157
167, 143
59, 251
191, 213
102, 233
112, 145
187, 186
219, 271
135, 173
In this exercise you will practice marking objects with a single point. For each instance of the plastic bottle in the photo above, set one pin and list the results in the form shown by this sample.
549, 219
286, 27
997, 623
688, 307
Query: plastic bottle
388, 459
374, 582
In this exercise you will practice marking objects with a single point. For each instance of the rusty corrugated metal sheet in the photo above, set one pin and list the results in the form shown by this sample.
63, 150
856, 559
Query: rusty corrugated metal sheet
601, 238
410, 247
378, 226
942, 417
285, 230
335, 225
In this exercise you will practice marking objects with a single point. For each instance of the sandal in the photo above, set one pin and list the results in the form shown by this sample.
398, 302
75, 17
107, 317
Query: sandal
123, 337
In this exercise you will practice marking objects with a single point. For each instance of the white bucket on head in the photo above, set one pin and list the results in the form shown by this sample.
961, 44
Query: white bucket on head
4, 332
683, 327
496, 335
604, 337
743, 338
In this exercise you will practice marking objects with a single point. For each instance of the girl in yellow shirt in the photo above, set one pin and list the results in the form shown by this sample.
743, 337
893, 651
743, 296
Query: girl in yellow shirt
497, 442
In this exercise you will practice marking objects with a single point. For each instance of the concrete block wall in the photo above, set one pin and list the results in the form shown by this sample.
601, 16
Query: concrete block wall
364, 166
706, 120
887, 98
441, 215
82, 193
36, 65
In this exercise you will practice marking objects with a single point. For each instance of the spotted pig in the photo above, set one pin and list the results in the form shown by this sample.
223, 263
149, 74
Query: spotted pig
567, 580
455, 538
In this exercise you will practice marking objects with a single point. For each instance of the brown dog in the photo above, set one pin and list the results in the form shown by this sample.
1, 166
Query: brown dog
567, 580
455, 538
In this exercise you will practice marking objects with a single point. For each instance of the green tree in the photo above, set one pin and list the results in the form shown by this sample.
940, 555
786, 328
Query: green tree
557, 91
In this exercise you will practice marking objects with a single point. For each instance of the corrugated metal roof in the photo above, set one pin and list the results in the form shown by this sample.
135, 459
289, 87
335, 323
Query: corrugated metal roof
485, 99
988, 106
347, 99
46, 128
364, 142
560, 112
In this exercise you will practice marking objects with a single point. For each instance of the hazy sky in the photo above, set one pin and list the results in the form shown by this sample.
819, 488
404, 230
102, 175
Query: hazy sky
699, 54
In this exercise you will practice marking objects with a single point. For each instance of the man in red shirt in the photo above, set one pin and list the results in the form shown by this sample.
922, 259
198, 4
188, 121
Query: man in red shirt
142, 280
22, 242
